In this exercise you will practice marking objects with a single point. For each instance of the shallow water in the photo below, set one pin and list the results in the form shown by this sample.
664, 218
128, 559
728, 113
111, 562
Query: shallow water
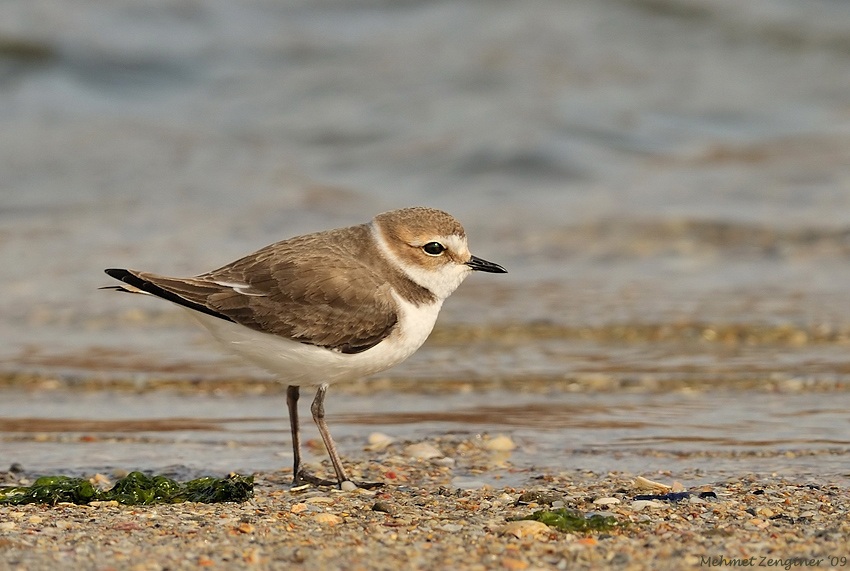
666, 182
695, 437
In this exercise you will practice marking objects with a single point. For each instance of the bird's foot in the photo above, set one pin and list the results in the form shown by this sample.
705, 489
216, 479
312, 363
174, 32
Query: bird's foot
304, 479
367, 485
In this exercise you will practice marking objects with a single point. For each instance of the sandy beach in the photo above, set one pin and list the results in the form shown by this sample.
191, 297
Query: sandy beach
420, 521
450, 500
665, 181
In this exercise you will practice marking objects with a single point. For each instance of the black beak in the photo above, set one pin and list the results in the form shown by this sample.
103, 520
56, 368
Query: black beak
480, 265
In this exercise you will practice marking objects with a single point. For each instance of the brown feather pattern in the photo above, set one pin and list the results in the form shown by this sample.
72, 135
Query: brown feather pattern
327, 289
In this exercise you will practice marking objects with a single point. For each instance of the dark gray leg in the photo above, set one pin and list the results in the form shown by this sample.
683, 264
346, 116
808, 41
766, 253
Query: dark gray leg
299, 476
292, 394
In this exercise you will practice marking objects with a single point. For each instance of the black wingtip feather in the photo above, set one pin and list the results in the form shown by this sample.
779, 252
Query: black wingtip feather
132, 279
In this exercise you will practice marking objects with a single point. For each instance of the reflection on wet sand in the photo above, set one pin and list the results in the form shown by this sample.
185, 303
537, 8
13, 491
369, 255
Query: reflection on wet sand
610, 431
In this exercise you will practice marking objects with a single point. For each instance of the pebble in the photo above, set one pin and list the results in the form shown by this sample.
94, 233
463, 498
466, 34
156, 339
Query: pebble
524, 528
348, 486
606, 501
378, 441
638, 505
327, 519
382, 507
451, 527
431, 522
298, 508
422, 450
320, 500
500, 443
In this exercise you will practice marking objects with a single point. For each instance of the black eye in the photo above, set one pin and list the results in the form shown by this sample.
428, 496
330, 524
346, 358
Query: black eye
434, 248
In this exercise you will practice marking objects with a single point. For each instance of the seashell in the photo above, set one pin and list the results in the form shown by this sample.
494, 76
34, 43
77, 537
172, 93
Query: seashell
642, 483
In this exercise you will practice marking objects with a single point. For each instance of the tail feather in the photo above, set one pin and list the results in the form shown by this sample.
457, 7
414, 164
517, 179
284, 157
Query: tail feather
133, 283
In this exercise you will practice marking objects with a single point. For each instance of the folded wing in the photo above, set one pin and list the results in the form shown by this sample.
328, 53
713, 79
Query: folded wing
322, 299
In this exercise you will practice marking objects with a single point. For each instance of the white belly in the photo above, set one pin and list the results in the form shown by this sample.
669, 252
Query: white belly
298, 363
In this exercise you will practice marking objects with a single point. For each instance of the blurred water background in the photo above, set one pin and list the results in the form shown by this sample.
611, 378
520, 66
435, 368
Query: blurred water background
666, 181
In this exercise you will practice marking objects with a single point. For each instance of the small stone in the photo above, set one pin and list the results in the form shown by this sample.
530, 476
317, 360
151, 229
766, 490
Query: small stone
348, 486
379, 441
524, 528
500, 443
104, 504
451, 527
251, 556
468, 483
536, 497
101, 481
327, 519
380, 506
638, 505
513, 564
606, 501
422, 450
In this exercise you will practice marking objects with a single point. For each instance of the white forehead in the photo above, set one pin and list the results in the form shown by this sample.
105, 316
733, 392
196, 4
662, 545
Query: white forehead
454, 243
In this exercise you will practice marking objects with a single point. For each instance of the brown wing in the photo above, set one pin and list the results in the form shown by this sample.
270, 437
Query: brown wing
306, 289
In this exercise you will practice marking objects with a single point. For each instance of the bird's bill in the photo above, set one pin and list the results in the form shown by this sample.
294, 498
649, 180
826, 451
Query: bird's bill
480, 265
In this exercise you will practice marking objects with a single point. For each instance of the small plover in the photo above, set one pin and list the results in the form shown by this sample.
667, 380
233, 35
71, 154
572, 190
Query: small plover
329, 306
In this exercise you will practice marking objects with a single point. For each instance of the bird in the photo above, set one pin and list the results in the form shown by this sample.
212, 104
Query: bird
327, 307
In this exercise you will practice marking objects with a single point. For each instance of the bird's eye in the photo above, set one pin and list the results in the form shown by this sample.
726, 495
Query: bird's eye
434, 248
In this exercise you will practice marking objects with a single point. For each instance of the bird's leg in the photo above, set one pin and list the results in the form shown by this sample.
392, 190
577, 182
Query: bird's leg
292, 394
318, 410
299, 476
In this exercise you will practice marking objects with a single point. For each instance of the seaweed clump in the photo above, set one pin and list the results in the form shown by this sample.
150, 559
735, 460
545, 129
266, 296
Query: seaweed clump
135, 488
567, 520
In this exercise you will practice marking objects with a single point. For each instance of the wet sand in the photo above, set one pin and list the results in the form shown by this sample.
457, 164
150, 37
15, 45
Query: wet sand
458, 467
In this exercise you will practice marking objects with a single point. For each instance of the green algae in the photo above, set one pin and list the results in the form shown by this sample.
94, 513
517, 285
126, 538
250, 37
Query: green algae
50, 490
567, 520
134, 489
